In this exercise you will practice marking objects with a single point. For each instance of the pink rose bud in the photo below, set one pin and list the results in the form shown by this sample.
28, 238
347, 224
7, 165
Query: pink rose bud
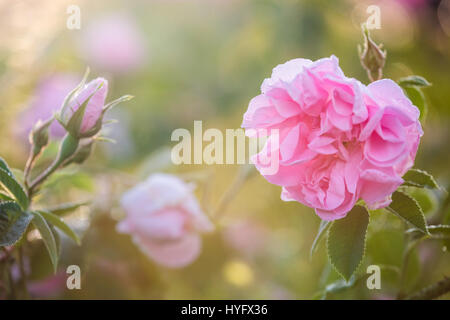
91, 98
165, 220
339, 141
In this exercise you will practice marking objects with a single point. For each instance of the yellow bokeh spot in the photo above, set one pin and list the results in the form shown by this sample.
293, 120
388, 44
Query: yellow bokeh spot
238, 273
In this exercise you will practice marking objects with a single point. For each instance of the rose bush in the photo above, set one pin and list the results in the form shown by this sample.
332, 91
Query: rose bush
339, 140
165, 220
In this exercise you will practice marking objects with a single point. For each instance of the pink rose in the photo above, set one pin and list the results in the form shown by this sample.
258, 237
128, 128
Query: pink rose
47, 99
114, 43
97, 90
391, 137
164, 220
339, 141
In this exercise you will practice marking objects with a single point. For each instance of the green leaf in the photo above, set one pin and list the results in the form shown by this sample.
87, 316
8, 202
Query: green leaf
440, 231
47, 236
4, 166
18, 174
66, 208
413, 81
346, 241
112, 104
13, 223
323, 228
335, 287
57, 239
99, 123
426, 199
5, 197
408, 209
74, 124
419, 178
71, 95
9, 183
418, 99
60, 224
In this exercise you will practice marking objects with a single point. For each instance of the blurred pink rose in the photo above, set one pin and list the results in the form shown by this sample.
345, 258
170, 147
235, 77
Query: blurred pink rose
164, 220
414, 4
51, 287
338, 139
114, 43
97, 90
47, 99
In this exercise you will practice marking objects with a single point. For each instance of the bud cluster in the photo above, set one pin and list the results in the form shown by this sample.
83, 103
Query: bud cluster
81, 115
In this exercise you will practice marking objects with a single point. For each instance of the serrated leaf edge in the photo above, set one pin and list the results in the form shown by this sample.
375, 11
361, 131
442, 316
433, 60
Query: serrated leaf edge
362, 256
30, 218
420, 209
437, 186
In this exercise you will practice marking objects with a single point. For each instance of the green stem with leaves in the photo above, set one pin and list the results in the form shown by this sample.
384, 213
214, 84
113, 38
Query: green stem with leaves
67, 149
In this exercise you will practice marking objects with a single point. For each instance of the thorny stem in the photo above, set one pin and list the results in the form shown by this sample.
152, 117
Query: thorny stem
432, 292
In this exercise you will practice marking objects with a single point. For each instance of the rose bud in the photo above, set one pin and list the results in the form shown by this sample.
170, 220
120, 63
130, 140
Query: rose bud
83, 152
83, 109
372, 57
39, 135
